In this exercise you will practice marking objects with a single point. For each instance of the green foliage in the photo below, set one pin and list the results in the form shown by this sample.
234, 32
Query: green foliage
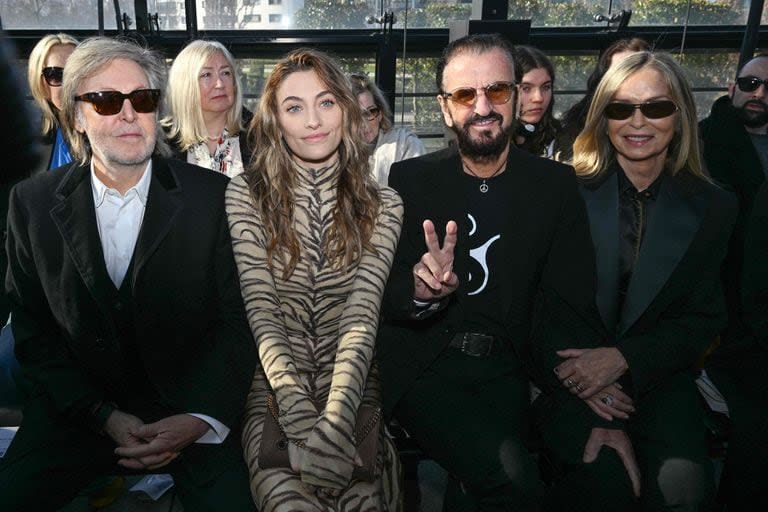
572, 71
332, 14
434, 15
547, 13
674, 12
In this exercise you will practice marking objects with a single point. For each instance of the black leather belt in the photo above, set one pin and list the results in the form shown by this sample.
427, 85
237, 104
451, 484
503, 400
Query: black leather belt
473, 343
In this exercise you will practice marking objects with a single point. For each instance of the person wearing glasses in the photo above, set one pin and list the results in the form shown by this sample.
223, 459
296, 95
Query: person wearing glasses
129, 323
660, 230
206, 118
487, 227
536, 124
44, 74
389, 143
735, 148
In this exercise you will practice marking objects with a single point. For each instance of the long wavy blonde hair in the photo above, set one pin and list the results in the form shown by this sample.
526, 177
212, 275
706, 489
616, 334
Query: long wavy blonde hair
593, 152
37, 82
271, 173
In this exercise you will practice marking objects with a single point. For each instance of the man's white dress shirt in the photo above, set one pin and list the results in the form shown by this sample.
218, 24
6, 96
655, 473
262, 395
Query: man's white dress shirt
119, 217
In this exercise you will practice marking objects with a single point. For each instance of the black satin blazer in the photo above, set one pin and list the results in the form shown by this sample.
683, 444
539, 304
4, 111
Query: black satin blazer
674, 306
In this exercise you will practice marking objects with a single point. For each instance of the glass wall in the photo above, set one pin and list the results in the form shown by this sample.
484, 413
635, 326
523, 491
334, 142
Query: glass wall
361, 14
63, 15
424, 21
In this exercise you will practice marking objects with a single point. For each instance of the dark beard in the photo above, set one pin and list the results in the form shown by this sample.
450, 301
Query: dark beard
753, 118
488, 147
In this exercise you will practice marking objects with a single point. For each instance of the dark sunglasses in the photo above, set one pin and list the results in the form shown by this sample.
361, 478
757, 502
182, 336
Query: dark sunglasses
371, 113
53, 75
652, 110
497, 93
750, 83
109, 103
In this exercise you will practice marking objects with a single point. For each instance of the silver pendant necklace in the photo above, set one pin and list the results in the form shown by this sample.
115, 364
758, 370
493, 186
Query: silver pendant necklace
484, 185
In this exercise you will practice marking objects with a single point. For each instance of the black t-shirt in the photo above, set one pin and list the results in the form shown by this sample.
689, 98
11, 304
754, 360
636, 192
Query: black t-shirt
487, 214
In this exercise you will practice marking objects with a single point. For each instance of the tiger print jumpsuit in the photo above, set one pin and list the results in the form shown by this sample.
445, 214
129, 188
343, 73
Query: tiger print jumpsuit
315, 334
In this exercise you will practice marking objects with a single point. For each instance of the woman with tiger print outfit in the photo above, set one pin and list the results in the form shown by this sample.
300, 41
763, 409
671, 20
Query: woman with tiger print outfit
313, 237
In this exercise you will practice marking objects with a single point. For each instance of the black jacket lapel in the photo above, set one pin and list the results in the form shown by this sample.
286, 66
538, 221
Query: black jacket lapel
163, 205
75, 218
672, 225
446, 185
602, 201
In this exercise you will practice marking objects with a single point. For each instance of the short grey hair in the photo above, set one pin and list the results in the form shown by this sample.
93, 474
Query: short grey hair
88, 59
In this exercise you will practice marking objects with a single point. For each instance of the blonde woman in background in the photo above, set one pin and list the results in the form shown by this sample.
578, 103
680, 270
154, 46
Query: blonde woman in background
206, 118
44, 74
389, 144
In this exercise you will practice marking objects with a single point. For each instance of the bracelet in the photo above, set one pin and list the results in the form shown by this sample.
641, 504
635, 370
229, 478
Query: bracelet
423, 308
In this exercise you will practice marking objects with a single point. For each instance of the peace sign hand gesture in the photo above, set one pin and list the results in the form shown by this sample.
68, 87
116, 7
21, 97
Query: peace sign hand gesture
433, 275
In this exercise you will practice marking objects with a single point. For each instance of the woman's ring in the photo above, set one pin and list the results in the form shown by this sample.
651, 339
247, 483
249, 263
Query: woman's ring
569, 383
607, 400
579, 387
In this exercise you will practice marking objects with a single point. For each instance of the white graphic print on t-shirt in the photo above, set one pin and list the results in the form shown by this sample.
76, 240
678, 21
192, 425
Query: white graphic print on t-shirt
479, 255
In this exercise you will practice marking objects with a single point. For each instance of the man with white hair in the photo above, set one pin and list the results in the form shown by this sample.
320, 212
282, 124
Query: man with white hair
127, 314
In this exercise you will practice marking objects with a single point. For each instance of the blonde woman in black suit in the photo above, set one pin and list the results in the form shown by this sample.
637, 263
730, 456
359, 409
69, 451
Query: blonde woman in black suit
630, 422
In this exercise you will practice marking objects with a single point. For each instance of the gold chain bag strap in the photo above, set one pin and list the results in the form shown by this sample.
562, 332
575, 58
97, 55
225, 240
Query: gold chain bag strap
273, 452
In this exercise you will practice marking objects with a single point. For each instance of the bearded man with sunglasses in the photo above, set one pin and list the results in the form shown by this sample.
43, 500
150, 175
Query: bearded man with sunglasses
734, 134
127, 314
735, 139
487, 227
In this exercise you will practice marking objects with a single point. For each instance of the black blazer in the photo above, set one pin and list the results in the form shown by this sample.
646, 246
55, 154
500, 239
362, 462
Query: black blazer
755, 285
674, 307
190, 327
733, 162
547, 225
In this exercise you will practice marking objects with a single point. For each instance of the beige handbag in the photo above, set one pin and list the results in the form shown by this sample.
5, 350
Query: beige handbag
274, 443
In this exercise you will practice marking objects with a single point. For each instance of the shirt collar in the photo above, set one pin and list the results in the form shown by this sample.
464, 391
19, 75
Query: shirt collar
626, 186
141, 189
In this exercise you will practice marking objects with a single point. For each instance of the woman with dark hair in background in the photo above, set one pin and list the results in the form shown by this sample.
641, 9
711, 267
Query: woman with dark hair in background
573, 119
206, 118
536, 126
44, 74
390, 144
314, 237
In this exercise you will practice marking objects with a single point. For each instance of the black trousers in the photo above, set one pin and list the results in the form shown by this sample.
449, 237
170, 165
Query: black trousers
470, 415
50, 461
669, 439
745, 477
